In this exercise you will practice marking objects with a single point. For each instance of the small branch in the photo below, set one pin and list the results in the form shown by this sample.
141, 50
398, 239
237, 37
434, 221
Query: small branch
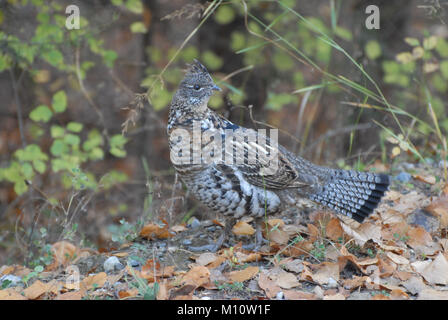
15, 85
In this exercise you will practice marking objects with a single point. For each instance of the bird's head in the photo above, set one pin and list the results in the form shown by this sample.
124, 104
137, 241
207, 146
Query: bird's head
197, 86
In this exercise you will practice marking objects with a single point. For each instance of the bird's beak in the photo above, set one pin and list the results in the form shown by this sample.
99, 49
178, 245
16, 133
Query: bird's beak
215, 87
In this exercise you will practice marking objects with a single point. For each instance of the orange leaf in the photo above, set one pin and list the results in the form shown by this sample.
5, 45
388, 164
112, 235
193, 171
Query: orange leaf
127, 293
197, 276
94, 281
334, 230
242, 275
38, 288
439, 208
270, 287
63, 252
11, 294
242, 228
153, 231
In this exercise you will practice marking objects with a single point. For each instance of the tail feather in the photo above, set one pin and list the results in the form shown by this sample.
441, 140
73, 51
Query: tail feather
354, 194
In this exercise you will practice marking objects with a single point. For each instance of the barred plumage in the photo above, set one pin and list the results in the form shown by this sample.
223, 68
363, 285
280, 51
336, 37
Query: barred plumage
247, 185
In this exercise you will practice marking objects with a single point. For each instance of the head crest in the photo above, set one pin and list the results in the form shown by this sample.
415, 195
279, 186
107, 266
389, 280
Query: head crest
196, 67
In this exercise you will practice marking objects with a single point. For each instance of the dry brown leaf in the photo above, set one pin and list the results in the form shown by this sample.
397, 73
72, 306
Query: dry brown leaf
242, 275
63, 252
178, 228
337, 296
439, 208
287, 280
197, 276
206, 258
278, 236
121, 254
245, 258
123, 294
153, 231
325, 271
421, 241
355, 282
414, 285
334, 230
426, 178
242, 228
397, 258
298, 295
386, 268
313, 232
11, 294
431, 294
363, 233
148, 269
279, 223
380, 297
435, 272
270, 287
38, 288
94, 281
72, 295
162, 293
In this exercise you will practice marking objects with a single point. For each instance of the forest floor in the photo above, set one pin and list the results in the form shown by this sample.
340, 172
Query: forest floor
400, 252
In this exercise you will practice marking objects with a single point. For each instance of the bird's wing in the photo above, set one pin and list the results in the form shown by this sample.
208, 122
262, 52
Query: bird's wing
262, 161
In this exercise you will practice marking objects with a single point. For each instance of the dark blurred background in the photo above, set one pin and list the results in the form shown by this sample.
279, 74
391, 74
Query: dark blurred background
84, 156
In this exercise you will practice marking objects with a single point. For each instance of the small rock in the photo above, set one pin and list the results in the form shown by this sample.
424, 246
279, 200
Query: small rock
112, 264
422, 218
194, 223
134, 263
280, 296
332, 283
186, 242
408, 166
13, 280
205, 298
403, 177
211, 229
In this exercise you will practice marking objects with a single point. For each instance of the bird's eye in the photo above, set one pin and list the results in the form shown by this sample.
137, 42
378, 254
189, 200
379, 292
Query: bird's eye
197, 87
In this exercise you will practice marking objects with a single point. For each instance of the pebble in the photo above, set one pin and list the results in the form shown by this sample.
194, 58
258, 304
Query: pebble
332, 283
280, 296
112, 264
211, 229
14, 280
403, 177
134, 263
195, 223
186, 242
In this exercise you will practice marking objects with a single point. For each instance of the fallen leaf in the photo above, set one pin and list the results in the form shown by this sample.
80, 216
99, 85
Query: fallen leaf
287, 280
426, 178
38, 288
421, 241
178, 228
150, 267
206, 258
431, 294
397, 259
121, 254
11, 294
94, 281
298, 295
363, 233
72, 295
414, 285
162, 293
270, 287
242, 228
123, 294
325, 271
337, 296
63, 253
334, 230
242, 275
313, 232
355, 282
439, 208
435, 272
197, 276
246, 258
380, 297
153, 231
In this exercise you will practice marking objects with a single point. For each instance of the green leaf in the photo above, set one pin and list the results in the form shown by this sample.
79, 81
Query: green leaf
212, 60
138, 27
72, 139
237, 41
118, 140
74, 126
109, 57
442, 48
135, 6
343, 33
96, 154
53, 57
57, 131
412, 41
372, 49
58, 147
444, 68
282, 61
41, 113
27, 170
20, 187
430, 43
224, 14
39, 166
119, 153
59, 102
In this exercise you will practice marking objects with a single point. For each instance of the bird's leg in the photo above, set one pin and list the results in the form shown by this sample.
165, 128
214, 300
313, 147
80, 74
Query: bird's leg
213, 247
259, 240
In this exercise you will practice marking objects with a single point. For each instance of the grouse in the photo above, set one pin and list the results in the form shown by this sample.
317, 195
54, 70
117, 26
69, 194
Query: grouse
237, 171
